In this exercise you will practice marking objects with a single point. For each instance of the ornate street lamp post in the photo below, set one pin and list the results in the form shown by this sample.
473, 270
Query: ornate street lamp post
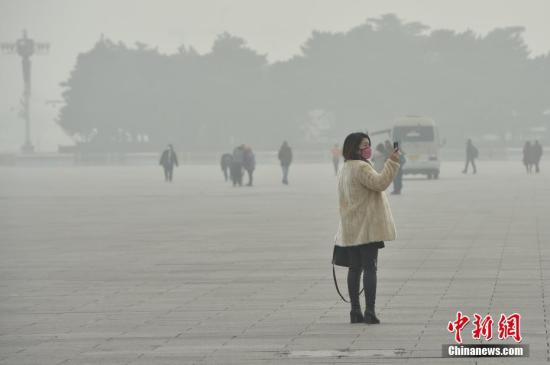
26, 47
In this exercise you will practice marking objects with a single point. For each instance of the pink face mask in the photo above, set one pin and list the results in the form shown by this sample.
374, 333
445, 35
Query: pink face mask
366, 153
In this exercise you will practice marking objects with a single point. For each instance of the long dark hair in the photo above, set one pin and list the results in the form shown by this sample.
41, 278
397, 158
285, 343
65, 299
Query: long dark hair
351, 146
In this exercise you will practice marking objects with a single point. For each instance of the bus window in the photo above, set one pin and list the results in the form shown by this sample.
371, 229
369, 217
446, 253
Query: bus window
413, 134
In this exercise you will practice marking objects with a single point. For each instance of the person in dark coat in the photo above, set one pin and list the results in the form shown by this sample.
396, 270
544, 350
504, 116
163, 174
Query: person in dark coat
471, 154
168, 160
537, 154
528, 157
249, 163
285, 156
237, 166
225, 164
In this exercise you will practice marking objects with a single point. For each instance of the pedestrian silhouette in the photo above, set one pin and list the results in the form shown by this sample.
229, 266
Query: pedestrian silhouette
168, 160
285, 157
225, 164
471, 154
537, 155
528, 157
249, 163
398, 179
237, 166
336, 153
379, 157
388, 146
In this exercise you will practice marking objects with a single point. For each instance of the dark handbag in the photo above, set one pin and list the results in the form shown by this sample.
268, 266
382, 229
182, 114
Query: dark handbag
340, 257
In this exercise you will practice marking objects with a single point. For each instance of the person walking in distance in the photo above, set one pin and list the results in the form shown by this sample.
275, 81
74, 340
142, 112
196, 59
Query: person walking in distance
379, 157
336, 154
285, 157
398, 180
537, 154
471, 154
225, 164
388, 147
168, 160
237, 166
528, 157
366, 220
249, 163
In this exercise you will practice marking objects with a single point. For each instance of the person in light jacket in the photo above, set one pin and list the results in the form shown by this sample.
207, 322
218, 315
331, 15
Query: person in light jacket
366, 220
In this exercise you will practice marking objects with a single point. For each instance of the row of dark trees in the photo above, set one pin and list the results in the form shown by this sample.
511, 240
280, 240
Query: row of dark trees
357, 80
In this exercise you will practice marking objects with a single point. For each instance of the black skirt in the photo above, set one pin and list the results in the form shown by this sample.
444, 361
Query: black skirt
356, 256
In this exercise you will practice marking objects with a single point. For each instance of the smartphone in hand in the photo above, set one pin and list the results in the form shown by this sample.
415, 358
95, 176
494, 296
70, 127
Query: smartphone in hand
395, 146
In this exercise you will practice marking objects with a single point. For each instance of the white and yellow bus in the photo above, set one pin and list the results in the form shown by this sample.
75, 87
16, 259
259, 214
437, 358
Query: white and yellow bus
418, 138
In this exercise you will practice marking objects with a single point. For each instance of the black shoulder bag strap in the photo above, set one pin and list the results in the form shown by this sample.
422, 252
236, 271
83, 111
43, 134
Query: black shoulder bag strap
341, 259
336, 284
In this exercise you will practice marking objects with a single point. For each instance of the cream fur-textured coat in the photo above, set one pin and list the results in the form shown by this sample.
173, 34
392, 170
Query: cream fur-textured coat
365, 214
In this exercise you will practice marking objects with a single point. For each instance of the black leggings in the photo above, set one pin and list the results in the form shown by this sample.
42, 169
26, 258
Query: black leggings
368, 265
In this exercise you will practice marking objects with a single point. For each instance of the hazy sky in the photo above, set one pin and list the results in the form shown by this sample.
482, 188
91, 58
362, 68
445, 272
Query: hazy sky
276, 28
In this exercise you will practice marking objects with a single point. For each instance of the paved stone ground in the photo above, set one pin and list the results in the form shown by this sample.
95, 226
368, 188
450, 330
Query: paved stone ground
110, 265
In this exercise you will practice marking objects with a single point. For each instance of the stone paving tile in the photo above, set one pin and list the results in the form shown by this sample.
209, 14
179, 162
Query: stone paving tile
120, 268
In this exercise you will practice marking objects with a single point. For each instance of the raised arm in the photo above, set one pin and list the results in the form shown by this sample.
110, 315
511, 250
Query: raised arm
378, 181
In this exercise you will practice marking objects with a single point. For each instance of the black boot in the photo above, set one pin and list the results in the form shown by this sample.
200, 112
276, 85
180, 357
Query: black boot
356, 317
369, 283
370, 317
354, 279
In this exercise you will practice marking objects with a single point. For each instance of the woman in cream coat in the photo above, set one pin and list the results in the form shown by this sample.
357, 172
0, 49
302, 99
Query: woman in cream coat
365, 219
